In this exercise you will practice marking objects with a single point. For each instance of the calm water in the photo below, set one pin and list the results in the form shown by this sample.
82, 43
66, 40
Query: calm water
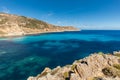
21, 57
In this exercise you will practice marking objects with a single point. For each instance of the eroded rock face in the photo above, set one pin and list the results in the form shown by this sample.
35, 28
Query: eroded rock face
94, 67
13, 25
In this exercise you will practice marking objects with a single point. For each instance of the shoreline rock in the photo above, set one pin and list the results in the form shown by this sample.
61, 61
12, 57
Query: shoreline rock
94, 67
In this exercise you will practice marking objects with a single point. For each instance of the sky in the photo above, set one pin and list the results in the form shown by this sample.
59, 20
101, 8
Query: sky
84, 14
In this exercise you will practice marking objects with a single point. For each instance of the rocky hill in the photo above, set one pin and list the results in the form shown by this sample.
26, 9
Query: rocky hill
95, 67
13, 25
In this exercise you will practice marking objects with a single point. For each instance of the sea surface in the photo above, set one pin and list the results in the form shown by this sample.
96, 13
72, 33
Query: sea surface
21, 57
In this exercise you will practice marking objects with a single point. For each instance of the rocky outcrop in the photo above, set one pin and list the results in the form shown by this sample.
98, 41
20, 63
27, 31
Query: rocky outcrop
95, 67
13, 25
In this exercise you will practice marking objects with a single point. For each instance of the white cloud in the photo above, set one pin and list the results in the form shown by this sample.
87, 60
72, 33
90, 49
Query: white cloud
49, 14
59, 22
5, 10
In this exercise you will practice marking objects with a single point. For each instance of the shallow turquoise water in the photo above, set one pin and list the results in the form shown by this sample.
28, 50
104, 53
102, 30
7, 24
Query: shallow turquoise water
21, 57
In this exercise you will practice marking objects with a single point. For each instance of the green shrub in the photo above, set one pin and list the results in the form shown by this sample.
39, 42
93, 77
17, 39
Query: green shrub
3, 21
118, 55
97, 78
101, 53
73, 67
117, 66
66, 75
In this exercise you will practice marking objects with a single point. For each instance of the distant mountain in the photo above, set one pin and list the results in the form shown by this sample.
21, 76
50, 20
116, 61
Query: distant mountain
13, 25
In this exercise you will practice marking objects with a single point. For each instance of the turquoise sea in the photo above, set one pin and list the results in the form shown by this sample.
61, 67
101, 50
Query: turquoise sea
21, 57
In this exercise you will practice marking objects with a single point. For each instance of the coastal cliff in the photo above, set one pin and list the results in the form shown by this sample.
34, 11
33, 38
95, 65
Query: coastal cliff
97, 66
13, 25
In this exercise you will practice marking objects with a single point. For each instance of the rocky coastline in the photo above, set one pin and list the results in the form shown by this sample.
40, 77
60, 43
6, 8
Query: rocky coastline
98, 66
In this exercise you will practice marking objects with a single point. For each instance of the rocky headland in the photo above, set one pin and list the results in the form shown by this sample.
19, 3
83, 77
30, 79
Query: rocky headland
98, 66
13, 25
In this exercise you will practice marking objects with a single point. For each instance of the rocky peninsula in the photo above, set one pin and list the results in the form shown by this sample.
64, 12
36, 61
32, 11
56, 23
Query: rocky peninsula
98, 66
13, 25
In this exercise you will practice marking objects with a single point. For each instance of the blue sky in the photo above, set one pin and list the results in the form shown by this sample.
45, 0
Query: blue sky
85, 14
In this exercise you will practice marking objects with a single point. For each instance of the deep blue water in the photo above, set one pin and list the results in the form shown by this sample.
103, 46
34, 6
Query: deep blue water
25, 56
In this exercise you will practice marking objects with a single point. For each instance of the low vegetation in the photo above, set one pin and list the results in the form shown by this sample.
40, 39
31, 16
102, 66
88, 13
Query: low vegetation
66, 75
117, 66
118, 55
97, 78
3, 21
73, 67
100, 53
